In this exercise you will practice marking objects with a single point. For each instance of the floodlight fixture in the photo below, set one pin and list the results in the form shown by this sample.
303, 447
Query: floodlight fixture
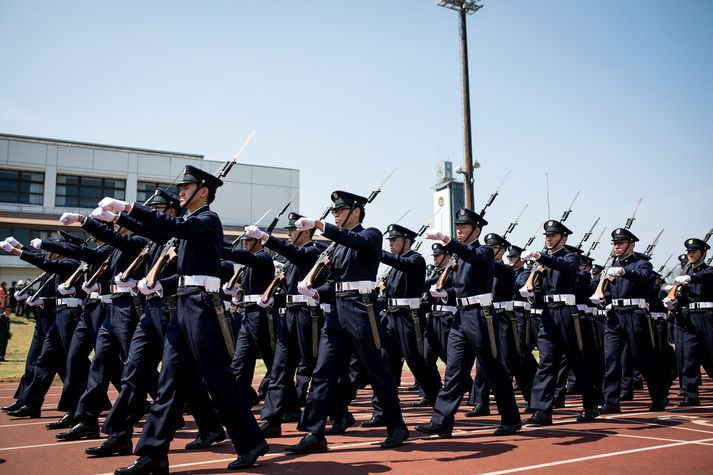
467, 6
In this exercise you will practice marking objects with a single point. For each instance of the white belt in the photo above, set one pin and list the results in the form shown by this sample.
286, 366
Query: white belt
115, 289
503, 305
601, 313
483, 300
700, 305
592, 310
363, 286
581, 307
567, 299
299, 298
641, 303
535, 311
659, 316
208, 282
226, 305
251, 298
103, 298
520, 304
70, 302
326, 308
444, 308
410, 303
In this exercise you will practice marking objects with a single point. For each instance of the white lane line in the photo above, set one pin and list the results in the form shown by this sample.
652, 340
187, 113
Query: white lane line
598, 456
24, 424
83, 441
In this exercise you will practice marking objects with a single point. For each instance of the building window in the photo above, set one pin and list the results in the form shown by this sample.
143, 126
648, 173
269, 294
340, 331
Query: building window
144, 189
85, 191
22, 187
24, 235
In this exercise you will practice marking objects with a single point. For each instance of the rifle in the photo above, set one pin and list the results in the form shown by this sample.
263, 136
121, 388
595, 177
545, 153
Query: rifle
453, 262
100, 270
675, 290
326, 257
28, 287
225, 167
381, 281
82, 269
605, 278
594, 244
241, 268
664, 264
588, 234
511, 226
650, 248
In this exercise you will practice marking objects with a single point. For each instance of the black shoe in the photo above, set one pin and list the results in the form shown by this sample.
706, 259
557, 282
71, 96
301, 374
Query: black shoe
12, 407
689, 402
539, 419
529, 410
111, 446
374, 422
430, 430
144, 465
341, 425
657, 407
559, 404
25, 411
507, 429
292, 416
80, 431
413, 387
610, 409
587, 415
423, 402
395, 438
480, 409
270, 430
310, 444
203, 442
249, 458
627, 396
64, 422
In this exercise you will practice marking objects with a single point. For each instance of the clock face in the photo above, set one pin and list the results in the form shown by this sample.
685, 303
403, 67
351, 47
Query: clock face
441, 201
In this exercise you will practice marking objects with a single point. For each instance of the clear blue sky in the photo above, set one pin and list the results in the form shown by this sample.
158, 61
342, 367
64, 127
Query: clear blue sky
612, 98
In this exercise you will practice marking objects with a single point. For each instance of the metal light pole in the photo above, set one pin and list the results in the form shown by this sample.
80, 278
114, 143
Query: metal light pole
465, 7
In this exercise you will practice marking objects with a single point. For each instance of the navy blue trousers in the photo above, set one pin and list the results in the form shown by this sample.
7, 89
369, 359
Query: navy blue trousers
468, 339
697, 335
253, 342
43, 320
194, 341
435, 339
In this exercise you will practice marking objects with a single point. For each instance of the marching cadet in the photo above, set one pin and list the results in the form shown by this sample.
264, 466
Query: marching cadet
197, 336
554, 283
629, 281
351, 281
403, 292
440, 316
114, 336
53, 356
257, 330
85, 333
298, 331
473, 335
694, 292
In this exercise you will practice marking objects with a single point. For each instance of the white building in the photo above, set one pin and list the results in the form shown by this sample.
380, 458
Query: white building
42, 178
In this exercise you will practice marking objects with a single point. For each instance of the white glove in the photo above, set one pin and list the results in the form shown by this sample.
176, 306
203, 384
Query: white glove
615, 271
304, 224
595, 299
36, 243
263, 304
254, 232
62, 289
6, 246
683, 279
20, 297
14, 242
235, 300
439, 294
89, 290
143, 286
669, 304
526, 293
112, 204
304, 290
667, 287
124, 284
435, 235
232, 291
102, 215
70, 218
278, 265
33, 302
528, 255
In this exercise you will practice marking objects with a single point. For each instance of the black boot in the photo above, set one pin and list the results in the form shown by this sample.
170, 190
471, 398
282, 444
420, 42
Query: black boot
12, 407
610, 409
374, 422
205, 441
341, 425
431, 430
508, 429
249, 458
423, 402
111, 446
80, 431
587, 415
538, 419
310, 444
689, 402
478, 410
291, 416
270, 429
145, 465
64, 422
395, 438
25, 411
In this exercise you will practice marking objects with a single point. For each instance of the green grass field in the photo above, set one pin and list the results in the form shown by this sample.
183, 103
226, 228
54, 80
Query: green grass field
21, 329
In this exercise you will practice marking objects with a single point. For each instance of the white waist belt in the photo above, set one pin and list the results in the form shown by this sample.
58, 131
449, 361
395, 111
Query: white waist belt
71, 302
641, 303
520, 304
251, 298
115, 289
592, 310
601, 312
659, 316
299, 298
363, 286
700, 305
483, 300
581, 307
410, 303
503, 305
444, 308
535, 311
103, 298
326, 308
208, 282
567, 299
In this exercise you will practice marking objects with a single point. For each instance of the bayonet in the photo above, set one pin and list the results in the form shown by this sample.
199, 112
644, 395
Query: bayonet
511, 226
663, 266
630, 221
225, 168
494, 195
588, 234
650, 248
568, 211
